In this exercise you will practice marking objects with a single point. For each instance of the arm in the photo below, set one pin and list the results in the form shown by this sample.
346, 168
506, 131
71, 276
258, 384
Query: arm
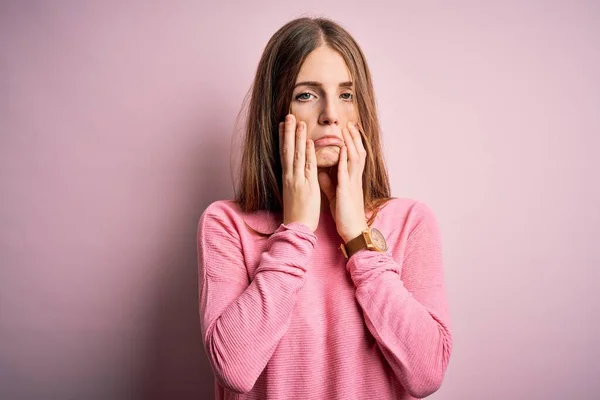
405, 308
242, 322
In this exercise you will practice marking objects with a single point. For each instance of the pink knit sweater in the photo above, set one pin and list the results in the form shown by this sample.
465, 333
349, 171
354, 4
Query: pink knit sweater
288, 317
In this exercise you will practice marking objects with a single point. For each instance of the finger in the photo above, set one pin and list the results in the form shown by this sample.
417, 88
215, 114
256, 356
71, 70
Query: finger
343, 166
281, 131
311, 162
349, 142
350, 150
358, 166
357, 138
288, 146
300, 152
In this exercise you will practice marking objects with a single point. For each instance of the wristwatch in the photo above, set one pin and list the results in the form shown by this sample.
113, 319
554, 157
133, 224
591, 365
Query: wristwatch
370, 239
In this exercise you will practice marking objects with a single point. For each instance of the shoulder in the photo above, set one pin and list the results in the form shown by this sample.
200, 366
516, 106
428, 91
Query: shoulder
405, 214
222, 215
406, 207
221, 208
227, 216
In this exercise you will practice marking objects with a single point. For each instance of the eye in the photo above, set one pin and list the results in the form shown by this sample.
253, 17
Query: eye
349, 96
299, 97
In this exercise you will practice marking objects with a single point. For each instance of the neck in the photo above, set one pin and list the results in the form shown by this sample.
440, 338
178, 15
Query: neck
332, 172
324, 203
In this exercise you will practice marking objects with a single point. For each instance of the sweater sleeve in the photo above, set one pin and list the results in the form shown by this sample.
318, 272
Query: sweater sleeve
405, 308
242, 322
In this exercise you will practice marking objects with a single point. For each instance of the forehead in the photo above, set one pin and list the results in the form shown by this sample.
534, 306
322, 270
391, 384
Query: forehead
324, 65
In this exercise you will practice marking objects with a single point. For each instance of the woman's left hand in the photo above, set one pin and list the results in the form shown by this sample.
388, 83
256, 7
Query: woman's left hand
346, 199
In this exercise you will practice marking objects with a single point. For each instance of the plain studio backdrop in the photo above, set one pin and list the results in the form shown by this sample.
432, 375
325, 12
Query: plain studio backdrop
116, 122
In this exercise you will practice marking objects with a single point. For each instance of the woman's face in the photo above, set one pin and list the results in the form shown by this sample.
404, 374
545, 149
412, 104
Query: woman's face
324, 99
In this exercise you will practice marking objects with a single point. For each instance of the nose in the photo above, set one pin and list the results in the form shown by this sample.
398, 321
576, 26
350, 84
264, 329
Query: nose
329, 113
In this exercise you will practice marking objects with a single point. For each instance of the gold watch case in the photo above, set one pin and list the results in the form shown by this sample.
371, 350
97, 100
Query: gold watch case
371, 239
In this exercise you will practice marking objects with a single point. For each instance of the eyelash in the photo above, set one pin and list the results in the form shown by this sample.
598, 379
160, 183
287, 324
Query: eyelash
300, 94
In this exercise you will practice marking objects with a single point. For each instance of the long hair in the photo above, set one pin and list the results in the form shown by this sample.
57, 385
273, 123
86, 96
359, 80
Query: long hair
260, 184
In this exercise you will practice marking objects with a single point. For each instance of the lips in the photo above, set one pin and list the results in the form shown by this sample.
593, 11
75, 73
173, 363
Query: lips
329, 141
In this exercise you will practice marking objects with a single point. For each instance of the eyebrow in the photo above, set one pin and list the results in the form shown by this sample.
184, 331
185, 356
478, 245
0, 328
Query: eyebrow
319, 84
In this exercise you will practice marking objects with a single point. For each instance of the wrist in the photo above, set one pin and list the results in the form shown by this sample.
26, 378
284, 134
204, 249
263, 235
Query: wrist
354, 233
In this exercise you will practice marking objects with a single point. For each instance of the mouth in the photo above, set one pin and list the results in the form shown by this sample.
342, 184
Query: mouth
328, 141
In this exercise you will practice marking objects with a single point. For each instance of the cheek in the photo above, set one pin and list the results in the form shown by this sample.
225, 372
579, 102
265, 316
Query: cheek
311, 131
310, 119
350, 114
304, 114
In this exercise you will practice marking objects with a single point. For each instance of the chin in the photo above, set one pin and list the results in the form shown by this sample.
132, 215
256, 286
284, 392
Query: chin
328, 156
326, 163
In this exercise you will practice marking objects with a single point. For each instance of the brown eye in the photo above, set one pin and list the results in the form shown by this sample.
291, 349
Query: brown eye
349, 96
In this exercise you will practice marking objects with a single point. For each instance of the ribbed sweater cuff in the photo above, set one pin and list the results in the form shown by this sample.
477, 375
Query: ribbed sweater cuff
366, 265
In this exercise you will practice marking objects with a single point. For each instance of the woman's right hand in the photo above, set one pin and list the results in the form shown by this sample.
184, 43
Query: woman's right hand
301, 190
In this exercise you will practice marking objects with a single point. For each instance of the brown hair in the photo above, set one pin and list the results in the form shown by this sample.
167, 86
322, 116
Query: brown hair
260, 175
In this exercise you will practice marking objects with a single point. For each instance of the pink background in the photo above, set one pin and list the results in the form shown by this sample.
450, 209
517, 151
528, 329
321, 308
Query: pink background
116, 121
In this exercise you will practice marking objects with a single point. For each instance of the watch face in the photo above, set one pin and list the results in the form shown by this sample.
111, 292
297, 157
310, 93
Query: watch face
378, 239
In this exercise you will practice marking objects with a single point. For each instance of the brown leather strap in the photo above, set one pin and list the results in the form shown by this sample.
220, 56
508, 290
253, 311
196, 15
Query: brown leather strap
355, 245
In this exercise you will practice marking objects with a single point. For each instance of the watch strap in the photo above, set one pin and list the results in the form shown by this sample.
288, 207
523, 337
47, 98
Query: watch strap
354, 245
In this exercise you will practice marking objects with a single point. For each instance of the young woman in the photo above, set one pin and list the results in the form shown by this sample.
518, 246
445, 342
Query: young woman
314, 282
